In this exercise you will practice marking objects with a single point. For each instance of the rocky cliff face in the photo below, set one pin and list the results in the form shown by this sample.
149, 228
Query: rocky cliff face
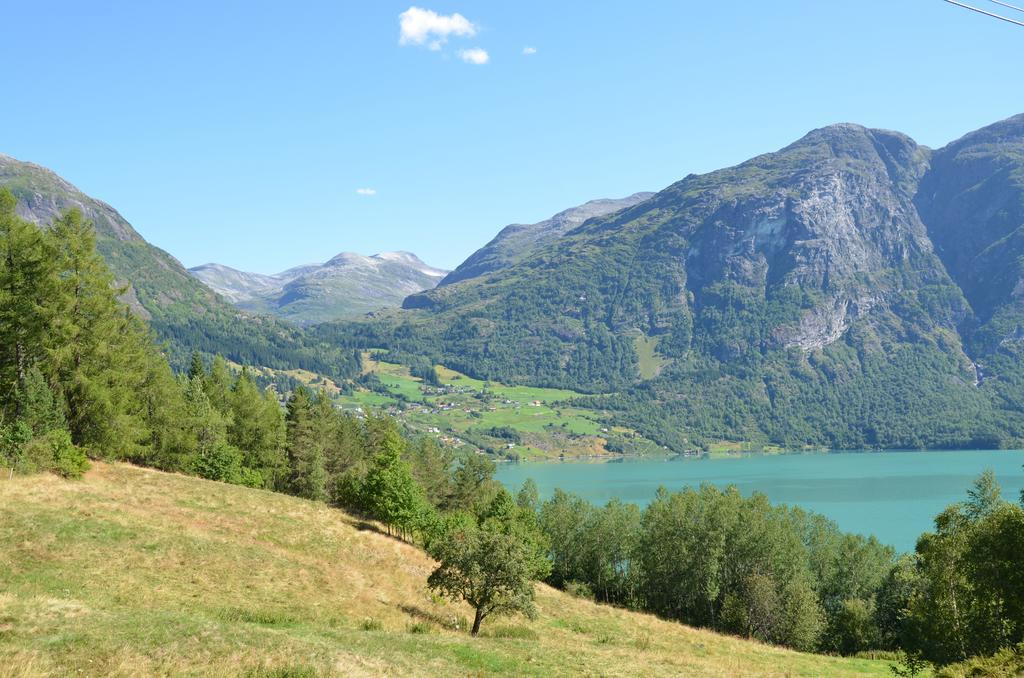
972, 201
831, 215
829, 221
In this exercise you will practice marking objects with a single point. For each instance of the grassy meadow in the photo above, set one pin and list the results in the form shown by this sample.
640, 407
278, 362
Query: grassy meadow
132, 571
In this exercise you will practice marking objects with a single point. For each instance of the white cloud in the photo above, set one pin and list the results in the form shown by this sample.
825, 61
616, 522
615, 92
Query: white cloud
366, 191
425, 27
529, 51
475, 56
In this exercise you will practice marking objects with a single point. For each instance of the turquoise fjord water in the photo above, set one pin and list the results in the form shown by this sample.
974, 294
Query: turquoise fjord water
892, 495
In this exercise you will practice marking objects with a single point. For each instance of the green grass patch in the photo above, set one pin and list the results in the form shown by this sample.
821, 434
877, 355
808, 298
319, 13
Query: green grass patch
649, 362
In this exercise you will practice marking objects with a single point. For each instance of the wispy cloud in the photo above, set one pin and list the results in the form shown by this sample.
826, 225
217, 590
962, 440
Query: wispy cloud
529, 51
476, 56
366, 191
427, 28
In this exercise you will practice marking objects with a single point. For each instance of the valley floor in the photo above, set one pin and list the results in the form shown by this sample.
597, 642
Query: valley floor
132, 571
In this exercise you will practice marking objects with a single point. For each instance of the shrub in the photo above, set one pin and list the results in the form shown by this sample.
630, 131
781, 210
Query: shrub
69, 460
578, 589
51, 451
13, 438
221, 462
1007, 663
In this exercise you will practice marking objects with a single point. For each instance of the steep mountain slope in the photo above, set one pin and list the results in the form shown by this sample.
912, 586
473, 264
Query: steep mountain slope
180, 309
797, 299
973, 203
135, 572
517, 241
347, 286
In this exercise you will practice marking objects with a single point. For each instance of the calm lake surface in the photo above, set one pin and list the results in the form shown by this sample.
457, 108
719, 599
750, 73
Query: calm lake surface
893, 495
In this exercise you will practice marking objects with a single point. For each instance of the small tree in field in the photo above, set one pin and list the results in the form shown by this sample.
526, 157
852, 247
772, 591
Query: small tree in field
491, 565
489, 570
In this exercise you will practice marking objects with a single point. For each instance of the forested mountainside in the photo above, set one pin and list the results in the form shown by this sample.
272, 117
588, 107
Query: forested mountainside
515, 242
179, 308
853, 289
346, 286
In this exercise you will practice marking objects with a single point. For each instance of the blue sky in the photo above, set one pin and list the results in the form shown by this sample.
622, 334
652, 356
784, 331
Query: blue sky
240, 132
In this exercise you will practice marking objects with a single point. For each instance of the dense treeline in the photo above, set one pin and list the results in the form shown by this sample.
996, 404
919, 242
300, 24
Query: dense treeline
713, 558
252, 340
961, 594
78, 372
838, 399
904, 396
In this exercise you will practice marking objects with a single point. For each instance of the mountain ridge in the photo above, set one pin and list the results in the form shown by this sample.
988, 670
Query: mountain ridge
516, 241
807, 296
346, 285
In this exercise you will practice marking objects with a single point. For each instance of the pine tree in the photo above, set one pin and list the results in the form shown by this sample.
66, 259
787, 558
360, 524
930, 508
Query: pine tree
99, 348
41, 408
256, 427
218, 384
307, 473
163, 412
206, 427
196, 368
389, 491
430, 467
275, 438
27, 280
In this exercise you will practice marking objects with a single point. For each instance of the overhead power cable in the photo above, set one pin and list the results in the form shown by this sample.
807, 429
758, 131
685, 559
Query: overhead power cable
1007, 5
986, 13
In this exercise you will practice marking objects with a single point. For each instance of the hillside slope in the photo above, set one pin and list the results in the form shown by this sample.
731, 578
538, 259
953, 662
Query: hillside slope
181, 310
515, 242
346, 286
133, 571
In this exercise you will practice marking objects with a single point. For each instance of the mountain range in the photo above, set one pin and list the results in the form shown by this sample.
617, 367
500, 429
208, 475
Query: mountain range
351, 285
346, 286
854, 289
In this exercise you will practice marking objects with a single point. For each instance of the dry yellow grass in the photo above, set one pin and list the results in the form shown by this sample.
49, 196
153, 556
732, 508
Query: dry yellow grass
132, 571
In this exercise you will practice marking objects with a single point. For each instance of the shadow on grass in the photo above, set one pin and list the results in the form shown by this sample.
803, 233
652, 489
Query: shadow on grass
367, 526
451, 622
